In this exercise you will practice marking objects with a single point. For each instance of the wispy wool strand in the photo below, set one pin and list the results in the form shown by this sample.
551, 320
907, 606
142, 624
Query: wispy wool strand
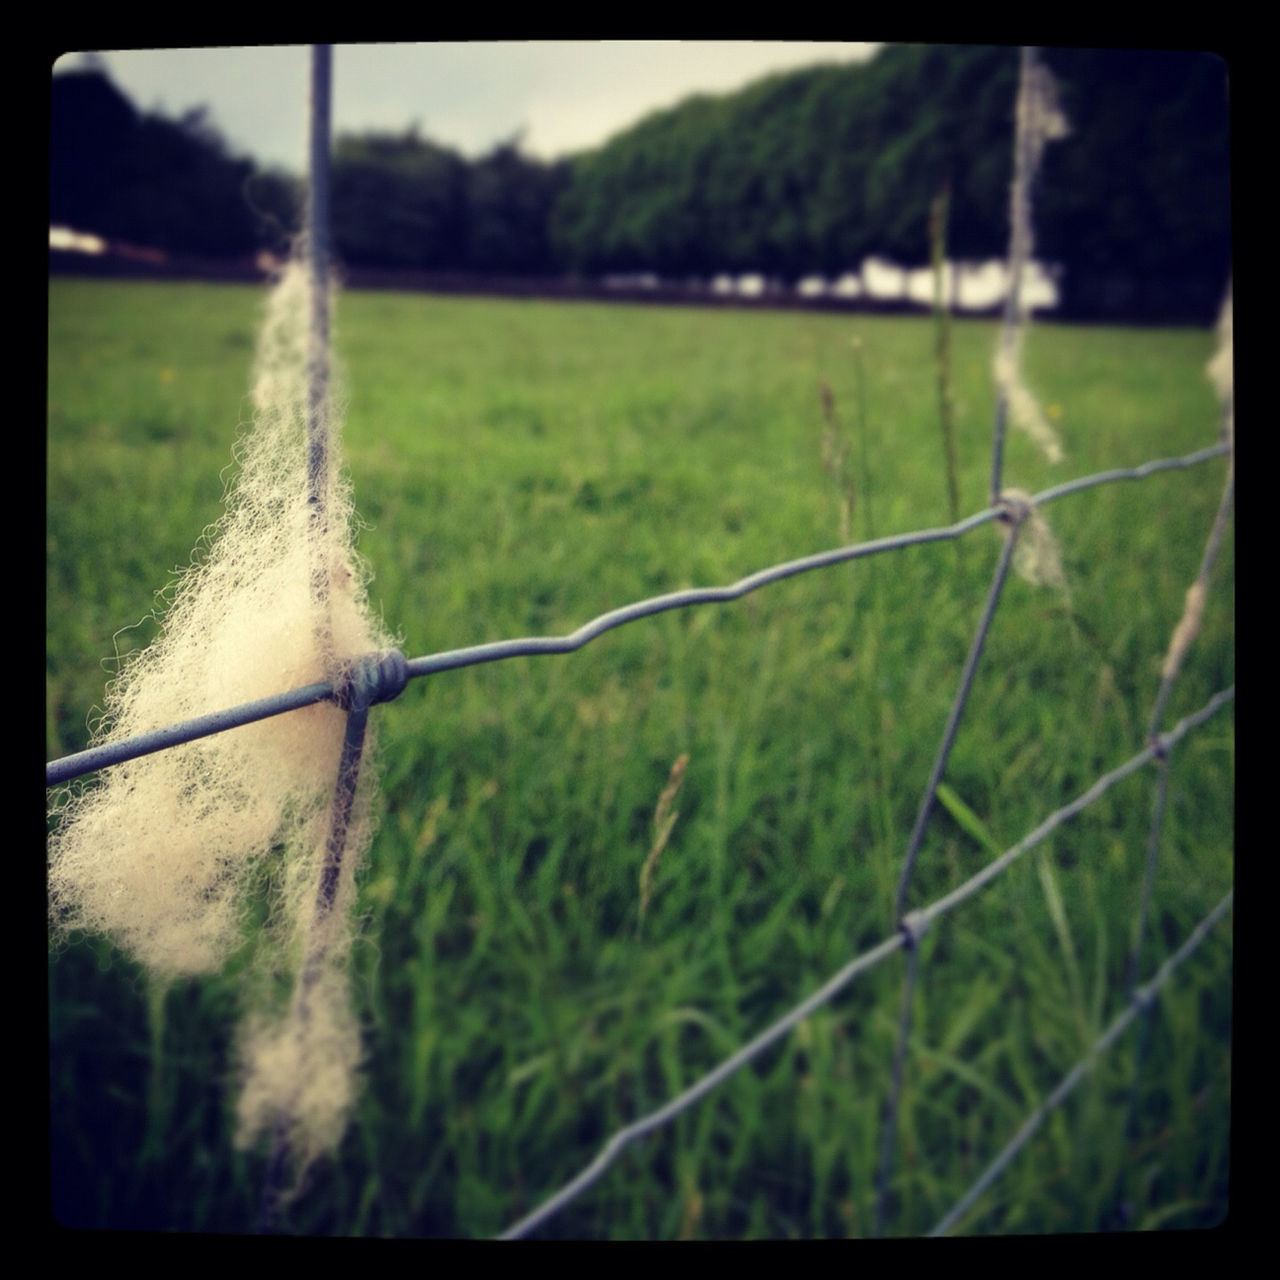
1040, 120
162, 856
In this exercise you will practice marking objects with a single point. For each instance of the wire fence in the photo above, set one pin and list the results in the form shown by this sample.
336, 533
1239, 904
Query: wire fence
382, 677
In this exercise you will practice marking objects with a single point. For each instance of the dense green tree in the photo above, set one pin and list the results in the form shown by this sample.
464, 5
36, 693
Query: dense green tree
1136, 204
399, 200
509, 202
180, 191
639, 202
143, 178
814, 170
91, 129
941, 116
762, 182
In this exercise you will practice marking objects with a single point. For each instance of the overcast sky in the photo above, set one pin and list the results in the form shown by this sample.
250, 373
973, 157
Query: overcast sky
563, 95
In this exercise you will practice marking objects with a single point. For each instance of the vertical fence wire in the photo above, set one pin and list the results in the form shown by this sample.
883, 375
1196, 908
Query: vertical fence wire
317, 245
1183, 636
961, 700
890, 1122
318, 470
1024, 164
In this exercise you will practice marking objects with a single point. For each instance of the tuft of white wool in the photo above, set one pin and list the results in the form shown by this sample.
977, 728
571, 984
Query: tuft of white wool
1040, 120
1024, 409
1221, 368
1220, 371
1037, 558
160, 854
299, 1070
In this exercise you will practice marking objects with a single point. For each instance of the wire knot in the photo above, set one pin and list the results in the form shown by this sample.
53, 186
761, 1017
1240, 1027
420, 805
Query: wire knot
1144, 998
1015, 506
378, 677
914, 925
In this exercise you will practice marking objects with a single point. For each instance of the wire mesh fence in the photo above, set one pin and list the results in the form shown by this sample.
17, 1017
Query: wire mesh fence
382, 676
121, 750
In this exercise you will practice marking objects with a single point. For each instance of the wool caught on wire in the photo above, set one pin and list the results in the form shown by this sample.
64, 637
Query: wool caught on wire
166, 854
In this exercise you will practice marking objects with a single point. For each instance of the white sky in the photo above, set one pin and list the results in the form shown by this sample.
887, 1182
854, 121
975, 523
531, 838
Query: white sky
564, 95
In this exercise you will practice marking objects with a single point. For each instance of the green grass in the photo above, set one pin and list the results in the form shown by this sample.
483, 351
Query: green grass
523, 466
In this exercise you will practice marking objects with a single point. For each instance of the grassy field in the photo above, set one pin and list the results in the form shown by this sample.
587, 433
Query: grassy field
523, 466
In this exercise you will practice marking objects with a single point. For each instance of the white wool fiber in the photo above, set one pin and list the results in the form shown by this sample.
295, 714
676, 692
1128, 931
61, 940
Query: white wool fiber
158, 855
1037, 558
1024, 409
300, 1070
1040, 120
1221, 368
1220, 371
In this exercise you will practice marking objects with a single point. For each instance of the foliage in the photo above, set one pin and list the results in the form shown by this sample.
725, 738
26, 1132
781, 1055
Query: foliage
143, 178
814, 170
399, 200
91, 125
1137, 203
803, 172
509, 201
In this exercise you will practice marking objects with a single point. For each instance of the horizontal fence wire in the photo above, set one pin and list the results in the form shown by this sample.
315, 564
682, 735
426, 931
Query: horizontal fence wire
1139, 1002
111, 753
914, 925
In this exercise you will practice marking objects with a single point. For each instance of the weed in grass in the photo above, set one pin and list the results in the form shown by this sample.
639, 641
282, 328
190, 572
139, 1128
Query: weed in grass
835, 455
664, 820
942, 346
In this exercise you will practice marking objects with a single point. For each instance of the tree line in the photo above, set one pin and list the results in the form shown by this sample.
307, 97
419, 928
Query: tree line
801, 173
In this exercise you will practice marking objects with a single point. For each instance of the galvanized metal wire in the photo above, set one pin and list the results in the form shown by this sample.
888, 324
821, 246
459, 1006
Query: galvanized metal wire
913, 928
105, 755
1140, 1001
318, 464
890, 1122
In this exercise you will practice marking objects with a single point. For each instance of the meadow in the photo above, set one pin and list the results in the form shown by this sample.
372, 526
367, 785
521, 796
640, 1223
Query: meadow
520, 467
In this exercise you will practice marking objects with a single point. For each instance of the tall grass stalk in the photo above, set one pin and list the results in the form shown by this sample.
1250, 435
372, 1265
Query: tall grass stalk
938, 210
864, 434
664, 820
835, 458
